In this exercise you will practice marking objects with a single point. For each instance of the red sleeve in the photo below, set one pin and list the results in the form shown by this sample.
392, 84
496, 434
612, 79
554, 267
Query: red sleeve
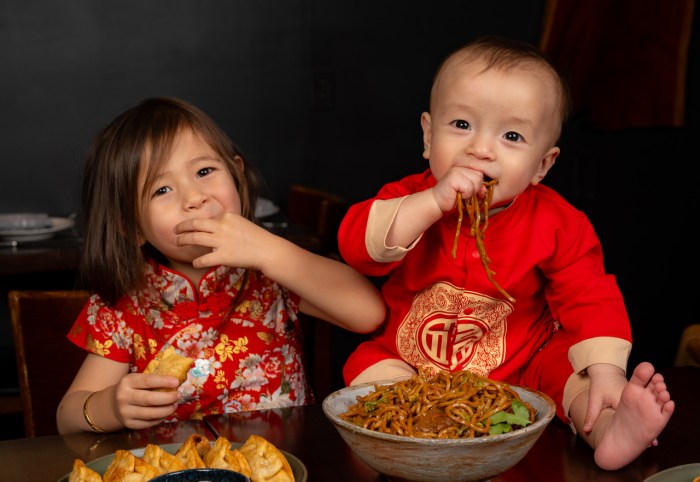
580, 294
351, 234
98, 330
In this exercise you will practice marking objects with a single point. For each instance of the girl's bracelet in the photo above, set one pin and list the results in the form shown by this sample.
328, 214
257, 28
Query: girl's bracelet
86, 415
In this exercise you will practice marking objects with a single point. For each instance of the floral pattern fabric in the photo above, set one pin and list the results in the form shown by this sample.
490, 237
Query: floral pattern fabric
248, 356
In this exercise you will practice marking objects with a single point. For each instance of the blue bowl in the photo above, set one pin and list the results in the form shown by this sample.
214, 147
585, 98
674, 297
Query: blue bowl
202, 475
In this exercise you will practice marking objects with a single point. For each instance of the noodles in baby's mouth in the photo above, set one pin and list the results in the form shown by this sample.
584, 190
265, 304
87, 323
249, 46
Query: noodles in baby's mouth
479, 220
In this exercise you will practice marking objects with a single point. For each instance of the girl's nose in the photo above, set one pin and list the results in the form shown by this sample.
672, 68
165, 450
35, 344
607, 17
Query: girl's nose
195, 199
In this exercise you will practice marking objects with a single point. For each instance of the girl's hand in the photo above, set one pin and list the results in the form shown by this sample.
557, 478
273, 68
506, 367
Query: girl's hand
457, 180
138, 406
234, 240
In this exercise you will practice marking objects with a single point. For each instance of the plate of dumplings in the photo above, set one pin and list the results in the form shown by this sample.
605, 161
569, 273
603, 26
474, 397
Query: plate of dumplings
198, 458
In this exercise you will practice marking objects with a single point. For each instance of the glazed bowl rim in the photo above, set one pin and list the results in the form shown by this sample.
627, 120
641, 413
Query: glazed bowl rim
542, 419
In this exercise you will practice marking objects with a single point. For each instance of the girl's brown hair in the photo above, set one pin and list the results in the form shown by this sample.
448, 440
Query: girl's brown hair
113, 262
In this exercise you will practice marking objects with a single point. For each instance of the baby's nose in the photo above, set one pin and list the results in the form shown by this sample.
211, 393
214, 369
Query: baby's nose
480, 146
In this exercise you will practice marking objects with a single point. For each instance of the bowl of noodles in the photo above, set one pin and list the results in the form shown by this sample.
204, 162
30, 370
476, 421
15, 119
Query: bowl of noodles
439, 426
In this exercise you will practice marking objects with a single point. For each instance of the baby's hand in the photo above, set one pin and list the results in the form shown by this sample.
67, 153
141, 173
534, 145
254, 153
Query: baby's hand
607, 383
457, 180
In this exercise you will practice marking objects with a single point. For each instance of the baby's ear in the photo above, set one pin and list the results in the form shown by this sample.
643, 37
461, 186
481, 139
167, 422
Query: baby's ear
426, 124
545, 165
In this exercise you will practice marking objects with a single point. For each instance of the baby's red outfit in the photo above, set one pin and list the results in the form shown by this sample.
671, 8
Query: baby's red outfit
444, 312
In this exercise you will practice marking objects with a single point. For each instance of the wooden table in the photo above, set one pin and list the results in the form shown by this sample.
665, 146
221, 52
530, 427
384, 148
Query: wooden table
305, 432
59, 253
558, 455
47, 459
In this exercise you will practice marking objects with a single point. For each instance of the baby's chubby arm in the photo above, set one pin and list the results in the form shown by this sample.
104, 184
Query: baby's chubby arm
420, 210
328, 289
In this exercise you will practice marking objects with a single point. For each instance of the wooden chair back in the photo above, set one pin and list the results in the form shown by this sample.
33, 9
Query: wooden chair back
688, 352
46, 361
319, 211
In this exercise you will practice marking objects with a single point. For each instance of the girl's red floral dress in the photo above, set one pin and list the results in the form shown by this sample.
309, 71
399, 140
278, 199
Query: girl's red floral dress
248, 357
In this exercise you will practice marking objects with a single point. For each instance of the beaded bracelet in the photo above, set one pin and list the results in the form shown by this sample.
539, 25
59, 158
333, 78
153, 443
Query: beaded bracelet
86, 415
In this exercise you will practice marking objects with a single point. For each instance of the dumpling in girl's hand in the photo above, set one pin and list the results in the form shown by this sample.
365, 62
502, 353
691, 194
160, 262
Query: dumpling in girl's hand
170, 362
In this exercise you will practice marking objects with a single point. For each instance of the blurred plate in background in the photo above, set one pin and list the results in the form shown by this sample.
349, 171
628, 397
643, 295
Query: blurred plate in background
264, 207
680, 473
24, 221
38, 233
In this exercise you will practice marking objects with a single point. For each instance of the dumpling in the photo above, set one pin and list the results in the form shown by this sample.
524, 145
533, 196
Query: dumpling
126, 467
169, 362
266, 462
222, 457
192, 450
82, 473
164, 462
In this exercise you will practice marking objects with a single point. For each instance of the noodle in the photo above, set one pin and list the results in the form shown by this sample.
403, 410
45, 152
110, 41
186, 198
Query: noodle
443, 405
478, 228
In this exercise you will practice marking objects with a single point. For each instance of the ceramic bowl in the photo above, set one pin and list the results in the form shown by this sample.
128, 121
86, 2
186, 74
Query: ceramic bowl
202, 475
403, 458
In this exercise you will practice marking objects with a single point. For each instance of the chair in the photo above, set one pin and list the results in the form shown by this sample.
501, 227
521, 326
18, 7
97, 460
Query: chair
326, 347
317, 355
689, 347
46, 360
320, 213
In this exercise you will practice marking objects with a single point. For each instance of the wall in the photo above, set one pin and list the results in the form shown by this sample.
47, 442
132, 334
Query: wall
636, 185
382, 56
329, 93
69, 68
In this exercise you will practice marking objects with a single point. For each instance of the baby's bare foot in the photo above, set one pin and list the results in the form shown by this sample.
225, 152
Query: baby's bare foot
644, 410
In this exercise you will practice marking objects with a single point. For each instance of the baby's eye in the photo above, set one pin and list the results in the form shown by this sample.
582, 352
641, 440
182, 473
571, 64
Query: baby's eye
461, 124
204, 171
513, 136
161, 190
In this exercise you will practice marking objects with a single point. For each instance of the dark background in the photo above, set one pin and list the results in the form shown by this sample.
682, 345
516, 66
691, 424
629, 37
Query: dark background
329, 93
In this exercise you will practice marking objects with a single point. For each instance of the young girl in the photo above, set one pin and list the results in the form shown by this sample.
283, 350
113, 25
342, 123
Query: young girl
174, 259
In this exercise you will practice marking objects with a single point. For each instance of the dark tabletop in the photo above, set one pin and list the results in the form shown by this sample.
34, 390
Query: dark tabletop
558, 455
306, 433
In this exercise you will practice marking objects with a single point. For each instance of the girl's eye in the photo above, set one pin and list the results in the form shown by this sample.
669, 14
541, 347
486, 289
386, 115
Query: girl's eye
461, 124
204, 171
161, 190
513, 136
